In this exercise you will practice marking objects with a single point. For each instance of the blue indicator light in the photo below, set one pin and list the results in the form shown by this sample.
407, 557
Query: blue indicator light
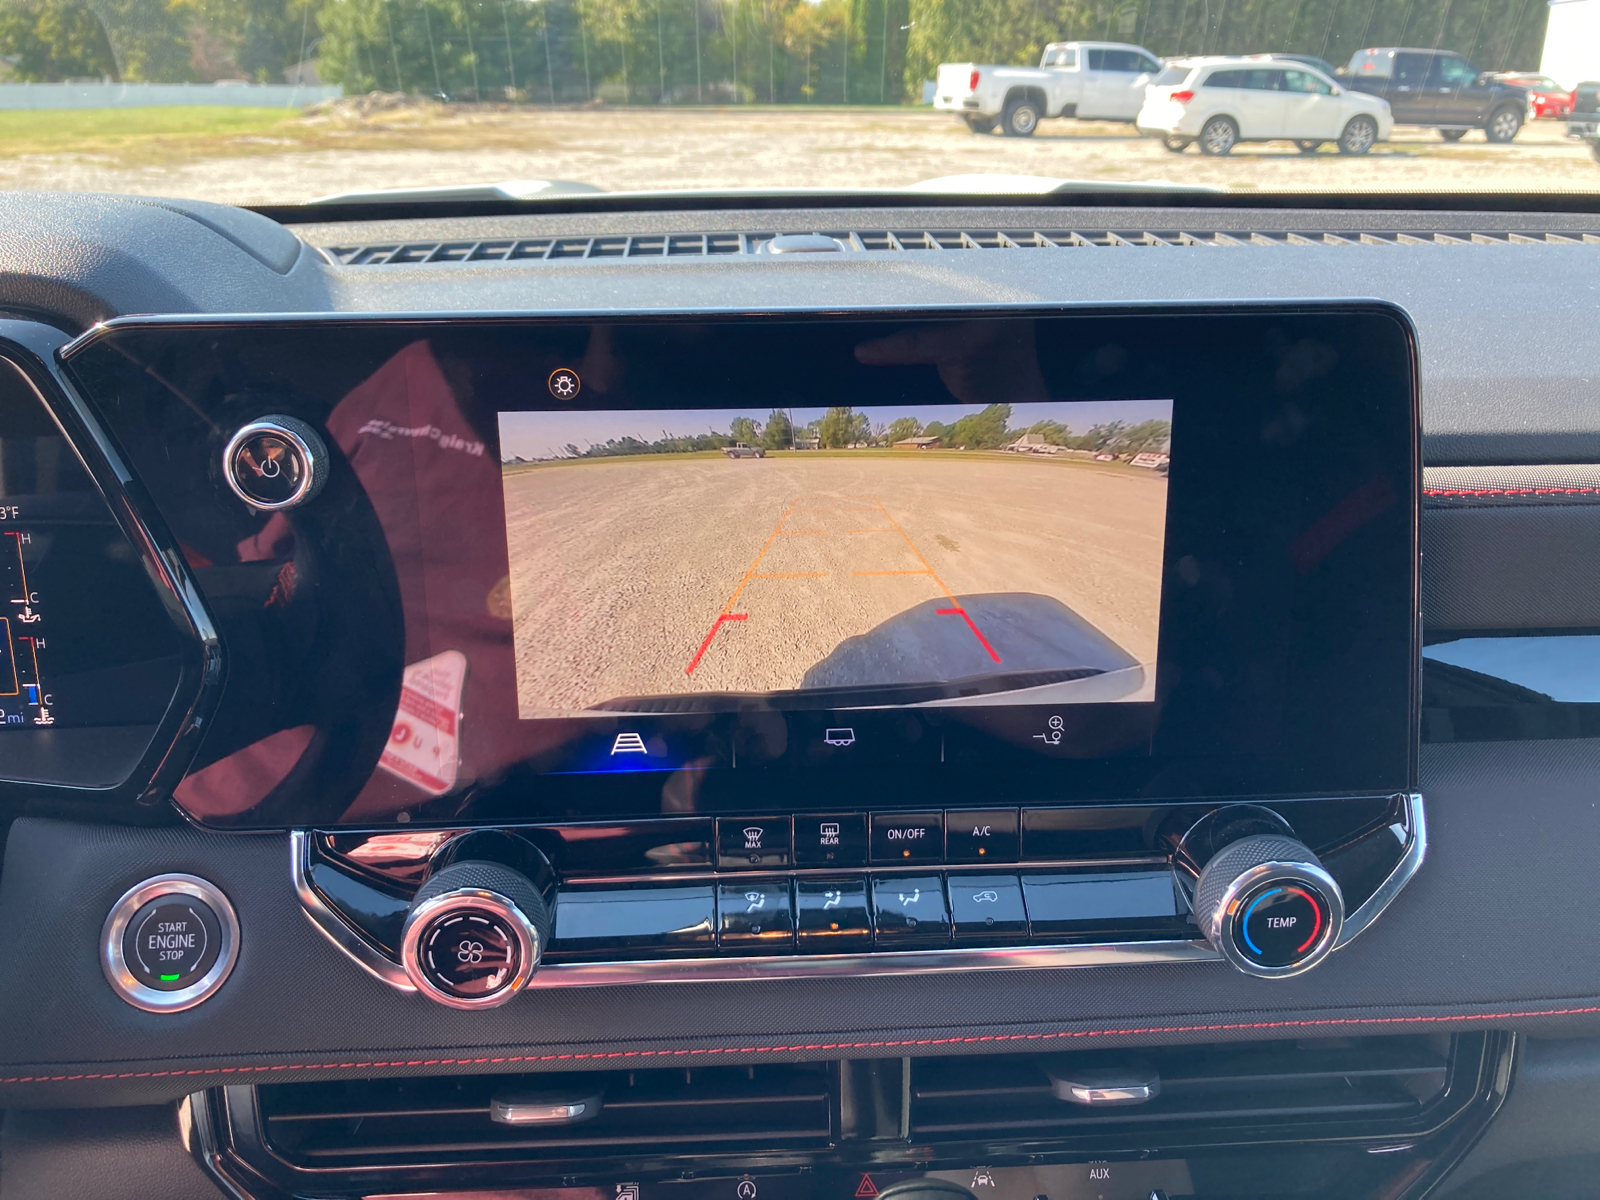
33, 692
1244, 924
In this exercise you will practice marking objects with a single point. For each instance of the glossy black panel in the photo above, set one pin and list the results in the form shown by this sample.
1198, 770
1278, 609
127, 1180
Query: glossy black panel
1286, 660
1058, 833
634, 922
1065, 903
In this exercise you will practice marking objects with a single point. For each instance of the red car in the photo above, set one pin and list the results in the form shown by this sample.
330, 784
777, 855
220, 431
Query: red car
1546, 97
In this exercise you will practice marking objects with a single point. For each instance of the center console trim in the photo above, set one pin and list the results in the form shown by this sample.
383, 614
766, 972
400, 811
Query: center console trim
826, 966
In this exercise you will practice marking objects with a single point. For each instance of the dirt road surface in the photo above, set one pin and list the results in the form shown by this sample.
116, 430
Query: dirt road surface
669, 577
621, 149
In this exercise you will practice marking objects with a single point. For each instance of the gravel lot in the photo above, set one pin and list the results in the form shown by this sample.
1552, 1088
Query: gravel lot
754, 573
678, 148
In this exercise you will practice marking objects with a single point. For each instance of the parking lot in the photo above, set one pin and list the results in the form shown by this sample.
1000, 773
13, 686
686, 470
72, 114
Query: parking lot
620, 149
679, 575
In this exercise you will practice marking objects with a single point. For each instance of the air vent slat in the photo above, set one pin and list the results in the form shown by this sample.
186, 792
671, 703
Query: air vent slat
860, 241
1277, 1083
447, 1120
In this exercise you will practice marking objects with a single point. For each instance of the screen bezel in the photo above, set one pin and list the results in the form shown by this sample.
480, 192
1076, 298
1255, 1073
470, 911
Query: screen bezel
592, 796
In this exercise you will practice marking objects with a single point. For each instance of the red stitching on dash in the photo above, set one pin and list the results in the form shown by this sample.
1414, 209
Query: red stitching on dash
1323, 1022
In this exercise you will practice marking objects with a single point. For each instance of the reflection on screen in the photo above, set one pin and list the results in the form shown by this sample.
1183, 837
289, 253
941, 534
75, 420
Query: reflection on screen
713, 560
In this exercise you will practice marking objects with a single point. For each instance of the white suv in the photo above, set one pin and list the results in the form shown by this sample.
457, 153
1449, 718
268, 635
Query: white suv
1220, 102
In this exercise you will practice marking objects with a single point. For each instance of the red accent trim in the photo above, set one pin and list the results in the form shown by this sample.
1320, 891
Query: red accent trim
1322, 1023
705, 645
1315, 929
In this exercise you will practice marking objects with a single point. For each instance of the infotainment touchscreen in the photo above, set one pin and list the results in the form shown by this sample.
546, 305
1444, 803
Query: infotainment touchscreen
703, 560
586, 568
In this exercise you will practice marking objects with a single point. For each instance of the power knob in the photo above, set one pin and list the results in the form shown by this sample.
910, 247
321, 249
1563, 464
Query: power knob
275, 463
475, 934
1268, 906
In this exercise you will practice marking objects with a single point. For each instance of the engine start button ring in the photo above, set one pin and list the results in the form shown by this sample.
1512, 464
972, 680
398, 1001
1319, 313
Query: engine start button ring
169, 943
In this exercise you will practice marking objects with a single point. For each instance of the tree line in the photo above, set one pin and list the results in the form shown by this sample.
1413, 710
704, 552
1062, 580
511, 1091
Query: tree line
843, 428
701, 51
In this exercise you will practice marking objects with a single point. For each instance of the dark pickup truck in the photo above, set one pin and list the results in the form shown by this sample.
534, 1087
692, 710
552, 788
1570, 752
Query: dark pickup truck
1438, 88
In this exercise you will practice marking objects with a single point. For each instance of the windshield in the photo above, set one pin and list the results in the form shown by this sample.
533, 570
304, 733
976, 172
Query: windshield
289, 101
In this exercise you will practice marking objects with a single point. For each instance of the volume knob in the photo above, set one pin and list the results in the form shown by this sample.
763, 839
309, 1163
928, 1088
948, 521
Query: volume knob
1268, 906
475, 934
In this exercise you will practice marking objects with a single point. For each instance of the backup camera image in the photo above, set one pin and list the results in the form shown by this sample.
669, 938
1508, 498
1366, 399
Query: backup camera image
715, 560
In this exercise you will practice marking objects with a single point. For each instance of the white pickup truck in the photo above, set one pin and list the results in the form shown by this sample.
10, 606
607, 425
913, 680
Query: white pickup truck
1102, 81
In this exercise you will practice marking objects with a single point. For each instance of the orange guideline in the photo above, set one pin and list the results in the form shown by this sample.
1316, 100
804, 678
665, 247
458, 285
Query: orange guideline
727, 613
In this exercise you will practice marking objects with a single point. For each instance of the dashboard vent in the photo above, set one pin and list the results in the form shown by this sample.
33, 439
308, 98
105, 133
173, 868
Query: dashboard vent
1265, 1091
710, 245
397, 1122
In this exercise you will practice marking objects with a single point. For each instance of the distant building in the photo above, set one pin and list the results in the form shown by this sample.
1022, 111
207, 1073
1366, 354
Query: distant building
303, 74
917, 443
1033, 443
1153, 459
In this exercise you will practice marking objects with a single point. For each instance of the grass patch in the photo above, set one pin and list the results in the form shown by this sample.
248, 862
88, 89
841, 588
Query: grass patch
91, 130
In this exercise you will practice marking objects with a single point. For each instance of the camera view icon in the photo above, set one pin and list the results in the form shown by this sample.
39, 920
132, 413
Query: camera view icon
629, 743
840, 737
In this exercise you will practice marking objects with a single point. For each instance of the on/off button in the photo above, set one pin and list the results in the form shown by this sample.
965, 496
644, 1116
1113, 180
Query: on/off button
907, 837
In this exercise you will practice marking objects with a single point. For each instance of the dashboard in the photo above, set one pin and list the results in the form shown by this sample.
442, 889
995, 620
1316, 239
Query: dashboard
608, 704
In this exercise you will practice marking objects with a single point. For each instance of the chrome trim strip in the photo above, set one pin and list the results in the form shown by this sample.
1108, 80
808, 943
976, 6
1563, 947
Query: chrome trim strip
1410, 863
332, 926
903, 962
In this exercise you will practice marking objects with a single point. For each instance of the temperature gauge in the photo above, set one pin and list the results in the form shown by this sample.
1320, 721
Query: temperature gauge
24, 694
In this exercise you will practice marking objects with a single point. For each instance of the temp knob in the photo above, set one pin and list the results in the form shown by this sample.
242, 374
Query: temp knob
475, 934
1268, 906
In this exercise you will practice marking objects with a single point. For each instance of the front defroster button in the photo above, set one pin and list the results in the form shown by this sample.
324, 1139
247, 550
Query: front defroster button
753, 842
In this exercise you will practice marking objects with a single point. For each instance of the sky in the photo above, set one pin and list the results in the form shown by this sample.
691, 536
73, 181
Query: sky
543, 434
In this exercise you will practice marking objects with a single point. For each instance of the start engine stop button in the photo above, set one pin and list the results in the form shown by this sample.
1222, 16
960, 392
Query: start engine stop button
169, 943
